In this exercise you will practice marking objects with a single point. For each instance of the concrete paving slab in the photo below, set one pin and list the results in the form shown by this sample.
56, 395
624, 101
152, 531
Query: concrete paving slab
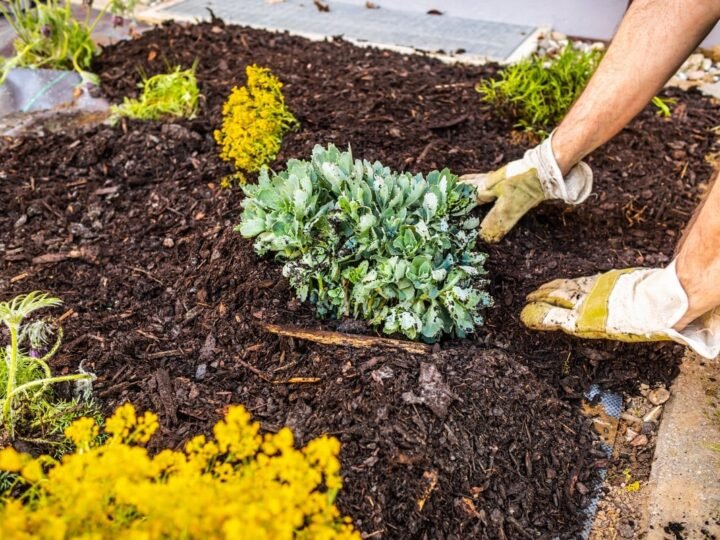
469, 40
684, 487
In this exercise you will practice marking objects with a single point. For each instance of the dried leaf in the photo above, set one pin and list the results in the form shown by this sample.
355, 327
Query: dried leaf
321, 6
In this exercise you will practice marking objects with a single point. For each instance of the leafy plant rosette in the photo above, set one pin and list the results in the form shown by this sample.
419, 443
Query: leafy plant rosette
24, 371
360, 240
166, 95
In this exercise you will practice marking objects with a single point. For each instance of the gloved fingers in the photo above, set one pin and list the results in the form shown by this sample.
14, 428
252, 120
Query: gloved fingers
578, 183
548, 317
517, 197
485, 184
479, 182
565, 293
544, 316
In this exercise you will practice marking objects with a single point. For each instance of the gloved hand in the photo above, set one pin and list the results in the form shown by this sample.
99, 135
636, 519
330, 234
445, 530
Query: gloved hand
635, 304
522, 184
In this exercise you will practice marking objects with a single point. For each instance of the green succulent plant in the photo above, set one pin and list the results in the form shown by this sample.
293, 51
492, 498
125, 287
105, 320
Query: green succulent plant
360, 240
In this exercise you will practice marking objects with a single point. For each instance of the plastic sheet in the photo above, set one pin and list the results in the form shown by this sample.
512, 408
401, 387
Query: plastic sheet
30, 98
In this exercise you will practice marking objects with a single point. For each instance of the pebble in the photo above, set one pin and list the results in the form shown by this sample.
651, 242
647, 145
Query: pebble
640, 440
648, 428
201, 371
658, 396
168, 242
653, 415
696, 75
22, 220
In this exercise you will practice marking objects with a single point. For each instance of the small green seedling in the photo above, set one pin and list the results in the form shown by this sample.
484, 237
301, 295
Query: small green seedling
49, 36
24, 371
539, 91
168, 95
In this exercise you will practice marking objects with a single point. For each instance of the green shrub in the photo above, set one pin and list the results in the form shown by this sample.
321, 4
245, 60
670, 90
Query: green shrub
538, 92
167, 95
358, 239
25, 376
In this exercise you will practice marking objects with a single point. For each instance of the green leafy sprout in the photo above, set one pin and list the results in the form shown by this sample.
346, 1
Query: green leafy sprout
538, 91
163, 96
360, 240
49, 36
24, 374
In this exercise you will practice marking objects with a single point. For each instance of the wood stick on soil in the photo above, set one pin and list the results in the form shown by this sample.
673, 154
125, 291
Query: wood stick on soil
19, 277
299, 380
253, 369
346, 340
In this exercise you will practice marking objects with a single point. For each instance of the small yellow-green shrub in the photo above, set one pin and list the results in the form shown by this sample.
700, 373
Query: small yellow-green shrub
255, 119
240, 484
537, 92
167, 95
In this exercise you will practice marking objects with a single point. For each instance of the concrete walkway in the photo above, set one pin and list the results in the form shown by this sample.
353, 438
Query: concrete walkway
684, 488
468, 40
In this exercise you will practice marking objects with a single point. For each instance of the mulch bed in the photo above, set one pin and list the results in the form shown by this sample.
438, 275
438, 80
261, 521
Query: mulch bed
480, 439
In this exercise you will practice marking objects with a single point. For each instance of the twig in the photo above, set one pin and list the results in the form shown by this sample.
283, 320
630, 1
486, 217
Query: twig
299, 380
253, 369
69, 313
165, 354
19, 277
146, 273
347, 340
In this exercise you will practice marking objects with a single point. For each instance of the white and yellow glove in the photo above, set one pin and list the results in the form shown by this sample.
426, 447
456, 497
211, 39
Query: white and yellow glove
522, 184
635, 304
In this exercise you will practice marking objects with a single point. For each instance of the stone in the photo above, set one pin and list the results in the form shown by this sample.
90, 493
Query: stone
640, 440
648, 428
168, 242
694, 62
201, 371
711, 89
695, 75
653, 415
658, 396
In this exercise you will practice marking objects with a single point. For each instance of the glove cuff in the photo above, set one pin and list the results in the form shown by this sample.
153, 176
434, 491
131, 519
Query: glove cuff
703, 334
653, 301
572, 189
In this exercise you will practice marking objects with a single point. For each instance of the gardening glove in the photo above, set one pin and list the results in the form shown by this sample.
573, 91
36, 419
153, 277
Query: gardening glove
635, 304
521, 185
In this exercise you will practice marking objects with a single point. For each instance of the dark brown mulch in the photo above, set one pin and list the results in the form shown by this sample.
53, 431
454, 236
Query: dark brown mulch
168, 298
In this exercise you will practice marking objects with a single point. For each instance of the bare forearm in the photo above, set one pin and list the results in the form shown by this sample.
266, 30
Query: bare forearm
653, 40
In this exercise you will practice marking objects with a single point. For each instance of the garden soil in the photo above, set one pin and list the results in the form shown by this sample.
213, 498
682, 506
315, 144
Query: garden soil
480, 438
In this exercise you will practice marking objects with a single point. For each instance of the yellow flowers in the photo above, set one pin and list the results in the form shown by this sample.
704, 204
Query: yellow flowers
241, 484
255, 119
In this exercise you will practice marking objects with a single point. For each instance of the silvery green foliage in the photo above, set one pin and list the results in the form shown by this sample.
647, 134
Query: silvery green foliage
358, 239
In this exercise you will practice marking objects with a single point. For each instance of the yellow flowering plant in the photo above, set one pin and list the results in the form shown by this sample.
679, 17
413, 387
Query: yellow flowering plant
238, 484
255, 119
